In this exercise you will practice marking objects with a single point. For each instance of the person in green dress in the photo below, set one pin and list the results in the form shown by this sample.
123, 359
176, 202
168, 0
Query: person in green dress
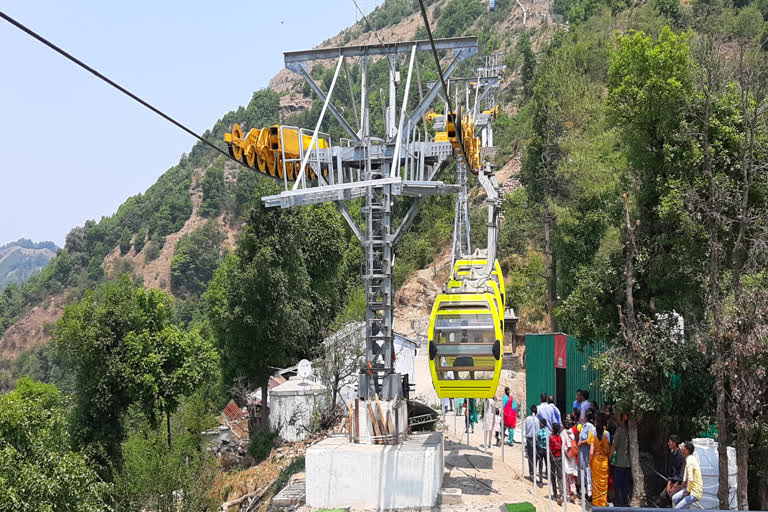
470, 415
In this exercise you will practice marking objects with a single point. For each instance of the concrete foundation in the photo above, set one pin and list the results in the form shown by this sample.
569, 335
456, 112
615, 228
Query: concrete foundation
375, 477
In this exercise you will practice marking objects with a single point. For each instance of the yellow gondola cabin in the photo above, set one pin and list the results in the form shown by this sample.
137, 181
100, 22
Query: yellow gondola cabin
465, 345
462, 270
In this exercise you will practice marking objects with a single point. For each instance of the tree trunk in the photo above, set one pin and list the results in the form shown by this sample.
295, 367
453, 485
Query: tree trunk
553, 284
168, 425
742, 463
550, 266
335, 389
722, 441
638, 480
258, 420
763, 492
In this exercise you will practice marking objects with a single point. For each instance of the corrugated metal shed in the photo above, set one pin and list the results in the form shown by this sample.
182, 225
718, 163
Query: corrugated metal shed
579, 375
540, 369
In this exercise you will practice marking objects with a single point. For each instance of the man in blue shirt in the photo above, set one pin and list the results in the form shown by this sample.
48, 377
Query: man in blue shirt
579, 399
555, 412
544, 412
548, 411
585, 405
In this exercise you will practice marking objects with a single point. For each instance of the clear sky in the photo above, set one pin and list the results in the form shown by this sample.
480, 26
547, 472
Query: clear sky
72, 148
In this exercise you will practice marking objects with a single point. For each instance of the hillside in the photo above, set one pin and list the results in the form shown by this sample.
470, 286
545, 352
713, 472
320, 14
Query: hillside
142, 237
194, 210
632, 142
22, 259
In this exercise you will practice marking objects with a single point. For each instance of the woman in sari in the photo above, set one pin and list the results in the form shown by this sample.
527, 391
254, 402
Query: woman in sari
599, 454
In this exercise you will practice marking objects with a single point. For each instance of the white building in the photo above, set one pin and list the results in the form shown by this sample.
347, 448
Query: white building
294, 406
405, 357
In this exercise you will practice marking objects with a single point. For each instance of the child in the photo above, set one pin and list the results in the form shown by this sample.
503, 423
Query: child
555, 459
571, 453
541, 450
497, 427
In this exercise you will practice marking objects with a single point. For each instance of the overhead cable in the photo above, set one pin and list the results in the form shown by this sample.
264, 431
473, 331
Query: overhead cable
370, 27
457, 122
114, 84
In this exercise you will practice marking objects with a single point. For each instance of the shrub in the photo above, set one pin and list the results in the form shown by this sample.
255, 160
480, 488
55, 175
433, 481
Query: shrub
140, 240
214, 192
155, 246
261, 445
197, 256
125, 241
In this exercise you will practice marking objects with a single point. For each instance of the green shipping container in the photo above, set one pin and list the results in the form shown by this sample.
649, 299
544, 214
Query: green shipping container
542, 376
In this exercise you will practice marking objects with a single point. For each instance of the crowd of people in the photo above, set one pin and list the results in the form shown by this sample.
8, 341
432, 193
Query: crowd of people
589, 445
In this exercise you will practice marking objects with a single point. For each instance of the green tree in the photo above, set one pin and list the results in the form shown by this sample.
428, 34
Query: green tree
37, 469
528, 69
635, 372
155, 246
121, 346
650, 91
259, 304
457, 16
125, 241
214, 192
140, 239
164, 366
274, 297
163, 478
197, 255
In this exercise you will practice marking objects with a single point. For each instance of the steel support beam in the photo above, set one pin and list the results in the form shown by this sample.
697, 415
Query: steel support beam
452, 43
348, 217
301, 69
422, 107
314, 144
413, 211
461, 240
399, 134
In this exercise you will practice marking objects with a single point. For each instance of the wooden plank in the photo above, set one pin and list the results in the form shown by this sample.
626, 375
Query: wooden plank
374, 423
384, 429
357, 417
350, 420
382, 423
391, 426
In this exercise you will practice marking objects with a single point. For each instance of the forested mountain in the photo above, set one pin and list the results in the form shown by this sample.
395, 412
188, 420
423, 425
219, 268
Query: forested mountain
22, 259
633, 152
173, 235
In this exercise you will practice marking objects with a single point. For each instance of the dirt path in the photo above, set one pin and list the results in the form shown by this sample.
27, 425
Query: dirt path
487, 481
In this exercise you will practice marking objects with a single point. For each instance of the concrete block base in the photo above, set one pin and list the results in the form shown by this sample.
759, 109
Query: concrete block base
375, 477
451, 496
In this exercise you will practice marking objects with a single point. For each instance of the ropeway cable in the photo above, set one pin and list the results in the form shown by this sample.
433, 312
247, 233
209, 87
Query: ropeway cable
376, 34
457, 121
114, 84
